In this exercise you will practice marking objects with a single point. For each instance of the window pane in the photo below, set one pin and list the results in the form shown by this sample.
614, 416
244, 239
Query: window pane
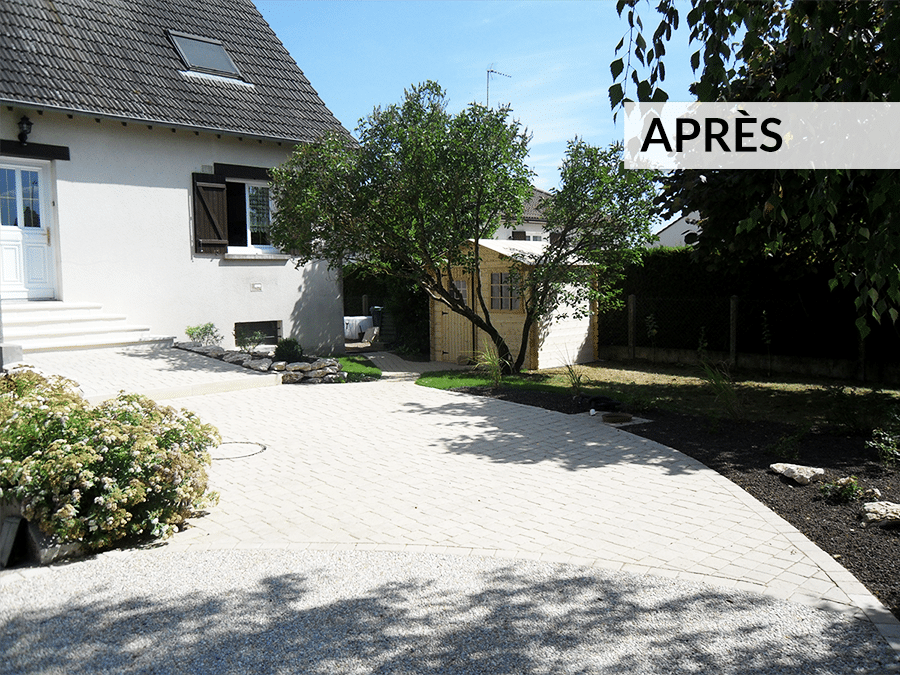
205, 56
31, 199
8, 197
460, 285
258, 216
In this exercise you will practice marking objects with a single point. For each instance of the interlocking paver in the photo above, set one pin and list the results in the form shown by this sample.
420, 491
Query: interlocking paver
390, 466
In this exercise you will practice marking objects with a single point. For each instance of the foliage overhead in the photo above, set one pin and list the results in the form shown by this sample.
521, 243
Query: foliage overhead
841, 220
424, 187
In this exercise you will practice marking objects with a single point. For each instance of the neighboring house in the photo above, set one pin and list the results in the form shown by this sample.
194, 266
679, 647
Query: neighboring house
141, 185
533, 221
552, 342
673, 234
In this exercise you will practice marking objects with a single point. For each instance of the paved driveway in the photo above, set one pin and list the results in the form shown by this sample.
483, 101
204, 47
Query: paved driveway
395, 466
390, 466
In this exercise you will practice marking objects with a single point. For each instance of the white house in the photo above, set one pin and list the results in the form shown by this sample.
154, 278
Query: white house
533, 221
674, 233
135, 144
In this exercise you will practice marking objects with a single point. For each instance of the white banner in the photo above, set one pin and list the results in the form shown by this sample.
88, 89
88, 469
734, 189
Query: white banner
669, 136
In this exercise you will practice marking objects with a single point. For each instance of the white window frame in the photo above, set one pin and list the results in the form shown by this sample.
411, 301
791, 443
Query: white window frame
253, 249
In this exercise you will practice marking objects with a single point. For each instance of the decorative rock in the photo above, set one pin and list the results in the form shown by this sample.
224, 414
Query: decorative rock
872, 493
320, 364
803, 475
883, 513
291, 377
261, 365
279, 365
333, 377
316, 373
214, 351
301, 366
616, 418
237, 357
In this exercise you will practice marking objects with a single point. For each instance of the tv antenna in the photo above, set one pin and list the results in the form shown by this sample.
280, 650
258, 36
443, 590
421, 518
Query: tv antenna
491, 71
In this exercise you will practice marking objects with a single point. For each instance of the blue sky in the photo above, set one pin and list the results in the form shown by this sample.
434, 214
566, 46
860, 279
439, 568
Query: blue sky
362, 53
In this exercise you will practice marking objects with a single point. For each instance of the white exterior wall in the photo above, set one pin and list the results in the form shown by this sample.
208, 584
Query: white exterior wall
124, 234
563, 341
531, 230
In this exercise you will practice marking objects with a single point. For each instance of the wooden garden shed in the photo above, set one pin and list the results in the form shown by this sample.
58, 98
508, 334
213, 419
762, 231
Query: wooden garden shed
552, 342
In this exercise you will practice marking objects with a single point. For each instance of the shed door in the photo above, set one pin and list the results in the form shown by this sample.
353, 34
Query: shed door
27, 262
456, 330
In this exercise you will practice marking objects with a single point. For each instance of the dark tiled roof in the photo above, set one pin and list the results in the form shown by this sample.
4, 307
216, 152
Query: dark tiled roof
532, 212
114, 58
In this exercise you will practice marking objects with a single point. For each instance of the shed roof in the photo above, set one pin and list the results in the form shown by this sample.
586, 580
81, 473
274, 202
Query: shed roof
115, 58
513, 247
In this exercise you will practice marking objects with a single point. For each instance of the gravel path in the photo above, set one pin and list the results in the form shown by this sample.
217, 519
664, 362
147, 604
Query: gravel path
254, 611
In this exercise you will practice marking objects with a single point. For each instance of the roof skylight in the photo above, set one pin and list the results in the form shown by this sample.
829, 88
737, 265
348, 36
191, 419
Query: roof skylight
204, 55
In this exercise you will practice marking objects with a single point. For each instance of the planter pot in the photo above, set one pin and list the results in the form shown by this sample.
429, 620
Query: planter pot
42, 548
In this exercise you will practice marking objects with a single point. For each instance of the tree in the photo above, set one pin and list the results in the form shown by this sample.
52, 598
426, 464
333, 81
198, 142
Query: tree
786, 51
421, 184
599, 221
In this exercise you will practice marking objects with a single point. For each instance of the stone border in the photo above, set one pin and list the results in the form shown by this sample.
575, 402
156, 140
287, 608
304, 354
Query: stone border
312, 370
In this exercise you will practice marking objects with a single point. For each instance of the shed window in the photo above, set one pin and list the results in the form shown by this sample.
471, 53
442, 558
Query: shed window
204, 55
503, 294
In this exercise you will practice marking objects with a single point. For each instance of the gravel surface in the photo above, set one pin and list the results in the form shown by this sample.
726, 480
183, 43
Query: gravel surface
252, 611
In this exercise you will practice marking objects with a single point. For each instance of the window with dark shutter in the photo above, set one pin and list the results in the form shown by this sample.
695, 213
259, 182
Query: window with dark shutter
210, 214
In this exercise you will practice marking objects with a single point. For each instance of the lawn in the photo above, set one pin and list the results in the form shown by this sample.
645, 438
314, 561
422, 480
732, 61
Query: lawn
685, 389
359, 368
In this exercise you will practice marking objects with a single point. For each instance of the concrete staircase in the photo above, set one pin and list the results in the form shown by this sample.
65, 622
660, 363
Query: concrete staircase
51, 325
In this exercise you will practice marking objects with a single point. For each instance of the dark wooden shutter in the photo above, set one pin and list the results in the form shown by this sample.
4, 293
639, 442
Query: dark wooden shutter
210, 214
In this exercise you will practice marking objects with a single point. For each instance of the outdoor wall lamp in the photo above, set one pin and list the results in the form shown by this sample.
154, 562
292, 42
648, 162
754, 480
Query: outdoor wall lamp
25, 125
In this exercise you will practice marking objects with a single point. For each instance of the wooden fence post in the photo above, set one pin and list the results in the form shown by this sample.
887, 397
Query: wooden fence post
732, 337
632, 301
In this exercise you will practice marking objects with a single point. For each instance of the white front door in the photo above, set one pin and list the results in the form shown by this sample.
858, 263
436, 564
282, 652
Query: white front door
27, 262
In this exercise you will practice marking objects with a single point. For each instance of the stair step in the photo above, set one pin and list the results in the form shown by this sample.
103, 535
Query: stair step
55, 325
94, 342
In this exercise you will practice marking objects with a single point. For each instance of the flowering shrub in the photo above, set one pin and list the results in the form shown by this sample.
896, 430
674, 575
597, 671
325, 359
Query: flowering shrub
97, 474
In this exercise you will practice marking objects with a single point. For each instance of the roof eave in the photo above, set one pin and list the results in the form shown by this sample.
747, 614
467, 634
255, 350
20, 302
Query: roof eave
151, 121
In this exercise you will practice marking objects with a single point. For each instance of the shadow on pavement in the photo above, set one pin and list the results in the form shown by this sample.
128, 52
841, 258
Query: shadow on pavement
509, 432
508, 619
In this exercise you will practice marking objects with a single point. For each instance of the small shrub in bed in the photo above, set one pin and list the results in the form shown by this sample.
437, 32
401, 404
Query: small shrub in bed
95, 475
288, 350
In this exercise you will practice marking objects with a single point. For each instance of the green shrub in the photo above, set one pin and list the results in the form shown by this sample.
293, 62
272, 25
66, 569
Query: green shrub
885, 440
247, 342
288, 350
205, 334
843, 490
96, 475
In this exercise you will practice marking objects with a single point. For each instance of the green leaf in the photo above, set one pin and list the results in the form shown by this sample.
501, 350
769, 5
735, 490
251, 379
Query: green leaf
616, 68
862, 326
695, 60
616, 94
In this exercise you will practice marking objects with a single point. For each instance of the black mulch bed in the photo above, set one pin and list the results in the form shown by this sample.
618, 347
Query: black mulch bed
743, 451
